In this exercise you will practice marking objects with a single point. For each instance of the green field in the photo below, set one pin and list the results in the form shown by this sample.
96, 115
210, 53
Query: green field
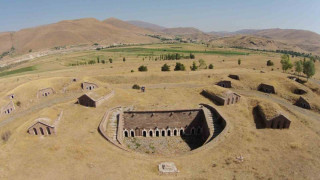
21, 70
151, 50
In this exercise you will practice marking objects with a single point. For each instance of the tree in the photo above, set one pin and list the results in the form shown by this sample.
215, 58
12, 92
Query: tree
202, 64
270, 63
194, 67
110, 60
192, 56
298, 67
179, 67
135, 86
98, 59
239, 61
165, 67
285, 62
103, 61
309, 69
143, 68
124, 59
210, 66
30, 50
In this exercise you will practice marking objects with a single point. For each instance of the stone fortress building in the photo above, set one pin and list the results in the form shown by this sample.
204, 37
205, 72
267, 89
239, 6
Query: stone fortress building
45, 92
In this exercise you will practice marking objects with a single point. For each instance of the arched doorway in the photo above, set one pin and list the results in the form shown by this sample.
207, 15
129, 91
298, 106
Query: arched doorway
126, 134
35, 131
144, 133
169, 132
192, 131
132, 133
181, 132
175, 132
163, 133
41, 130
199, 130
48, 129
157, 133
151, 133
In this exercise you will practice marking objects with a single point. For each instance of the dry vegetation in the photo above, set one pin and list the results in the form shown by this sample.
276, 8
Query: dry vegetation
78, 151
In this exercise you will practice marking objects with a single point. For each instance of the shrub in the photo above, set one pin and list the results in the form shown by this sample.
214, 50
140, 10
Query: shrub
110, 60
202, 64
135, 86
194, 67
124, 59
239, 62
103, 61
143, 68
18, 103
210, 66
269, 63
132, 70
92, 62
5, 136
165, 67
179, 67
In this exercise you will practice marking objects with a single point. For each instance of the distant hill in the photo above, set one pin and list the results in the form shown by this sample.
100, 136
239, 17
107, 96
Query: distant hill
147, 25
182, 31
253, 42
74, 32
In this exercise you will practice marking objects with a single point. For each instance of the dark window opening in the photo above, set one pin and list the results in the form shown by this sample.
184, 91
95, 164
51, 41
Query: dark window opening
35, 131
126, 134
192, 131
150, 133
163, 133
169, 133
175, 132
157, 133
144, 133
181, 132
48, 129
41, 130
132, 134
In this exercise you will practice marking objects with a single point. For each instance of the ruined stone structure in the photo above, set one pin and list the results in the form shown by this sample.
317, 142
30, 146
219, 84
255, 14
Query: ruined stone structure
266, 88
225, 98
235, 77
8, 109
167, 168
277, 121
41, 128
165, 123
225, 84
204, 123
45, 92
94, 98
301, 102
88, 86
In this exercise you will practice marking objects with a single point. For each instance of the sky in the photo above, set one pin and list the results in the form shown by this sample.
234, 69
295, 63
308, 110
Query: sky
206, 15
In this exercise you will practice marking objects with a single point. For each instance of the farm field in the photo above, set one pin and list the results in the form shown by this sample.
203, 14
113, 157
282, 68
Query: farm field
79, 151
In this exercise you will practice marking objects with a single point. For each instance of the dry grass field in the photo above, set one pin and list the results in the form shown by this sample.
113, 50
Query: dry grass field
78, 151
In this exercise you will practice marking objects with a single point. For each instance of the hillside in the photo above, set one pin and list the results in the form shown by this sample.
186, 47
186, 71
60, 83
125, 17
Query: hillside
253, 42
147, 25
306, 40
74, 32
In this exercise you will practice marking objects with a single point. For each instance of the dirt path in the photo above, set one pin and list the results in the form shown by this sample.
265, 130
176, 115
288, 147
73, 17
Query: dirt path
162, 85
280, 101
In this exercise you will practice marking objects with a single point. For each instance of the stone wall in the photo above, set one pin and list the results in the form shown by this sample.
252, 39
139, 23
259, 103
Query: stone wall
45, 92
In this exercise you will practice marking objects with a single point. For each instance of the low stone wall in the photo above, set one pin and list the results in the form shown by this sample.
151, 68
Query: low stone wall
108, 96
103, 126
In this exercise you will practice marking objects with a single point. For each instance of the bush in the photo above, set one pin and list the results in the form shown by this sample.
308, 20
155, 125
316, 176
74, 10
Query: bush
18, 103
110, 60
132, 70
5, 136
269, 63
92, 62
202, 64
143, 68
135, 86
103, 61
165, 67
194, 67
179, 67
124, 59
210, 66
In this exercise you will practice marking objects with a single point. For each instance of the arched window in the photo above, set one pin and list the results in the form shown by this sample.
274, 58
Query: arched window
126, 134
132, 133
169, 132
144, 133
157, 133
163, 133
175, 132
35, 131
41, 130
48, 129
150, 133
